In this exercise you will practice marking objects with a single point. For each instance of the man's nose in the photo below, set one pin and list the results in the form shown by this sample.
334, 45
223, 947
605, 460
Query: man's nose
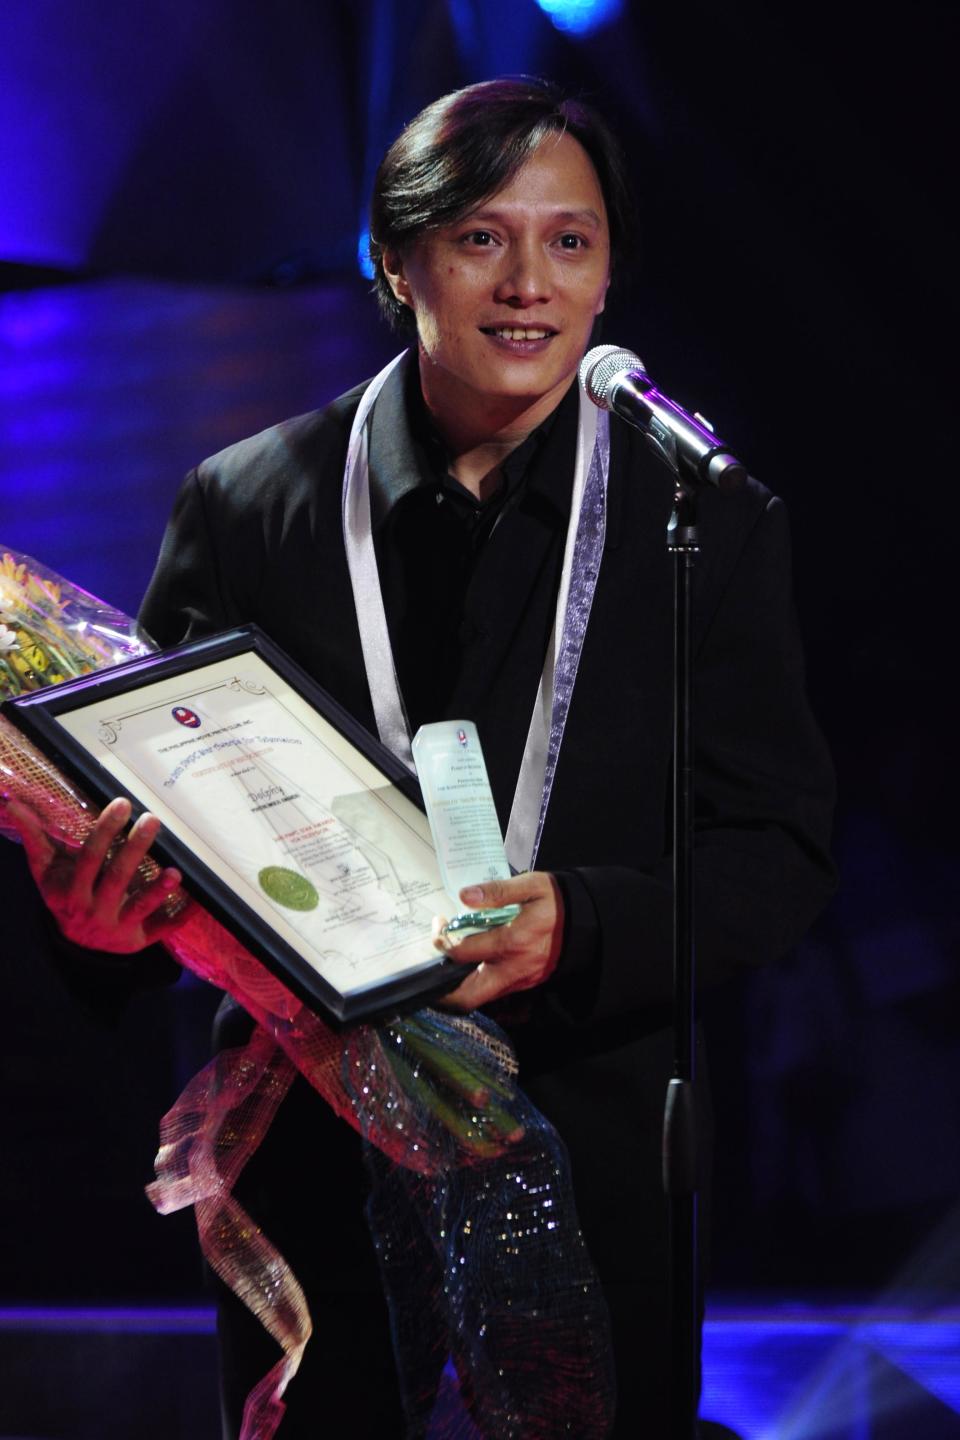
525, 278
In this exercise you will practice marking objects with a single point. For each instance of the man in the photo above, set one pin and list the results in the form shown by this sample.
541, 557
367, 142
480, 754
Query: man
497, 219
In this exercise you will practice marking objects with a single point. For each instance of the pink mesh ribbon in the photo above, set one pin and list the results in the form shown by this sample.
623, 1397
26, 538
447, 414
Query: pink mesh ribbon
205, 1141
471, 1208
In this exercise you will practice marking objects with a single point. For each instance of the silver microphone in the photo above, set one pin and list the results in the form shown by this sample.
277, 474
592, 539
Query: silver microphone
616, 380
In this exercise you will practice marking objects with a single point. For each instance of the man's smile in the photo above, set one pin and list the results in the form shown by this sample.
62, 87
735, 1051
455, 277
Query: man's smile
518, 332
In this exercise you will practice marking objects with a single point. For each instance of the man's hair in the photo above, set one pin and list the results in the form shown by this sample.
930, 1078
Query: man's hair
468, 145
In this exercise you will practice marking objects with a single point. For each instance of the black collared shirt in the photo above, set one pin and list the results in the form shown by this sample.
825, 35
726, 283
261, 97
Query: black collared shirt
432, 536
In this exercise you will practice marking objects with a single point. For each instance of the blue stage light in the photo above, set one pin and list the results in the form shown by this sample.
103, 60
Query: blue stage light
363, 254
579, 17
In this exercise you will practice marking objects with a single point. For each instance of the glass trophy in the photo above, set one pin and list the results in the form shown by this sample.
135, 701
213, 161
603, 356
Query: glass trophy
463, 818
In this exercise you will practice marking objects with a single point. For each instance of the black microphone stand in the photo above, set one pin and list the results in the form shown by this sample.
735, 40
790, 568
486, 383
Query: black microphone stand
680, 1180
687, 444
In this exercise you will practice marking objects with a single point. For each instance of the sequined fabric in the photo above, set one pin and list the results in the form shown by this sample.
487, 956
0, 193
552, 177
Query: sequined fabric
584, 570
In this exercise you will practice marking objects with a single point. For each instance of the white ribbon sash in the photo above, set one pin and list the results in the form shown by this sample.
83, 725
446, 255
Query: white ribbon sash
581, 563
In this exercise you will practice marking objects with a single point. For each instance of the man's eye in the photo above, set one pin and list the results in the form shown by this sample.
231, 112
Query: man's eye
479, 237
572, 242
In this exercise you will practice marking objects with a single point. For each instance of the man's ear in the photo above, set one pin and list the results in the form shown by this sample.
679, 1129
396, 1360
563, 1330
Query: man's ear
603, 299
396, 279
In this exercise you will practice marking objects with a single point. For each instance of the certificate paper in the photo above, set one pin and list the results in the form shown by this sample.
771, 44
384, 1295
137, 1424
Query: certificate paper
286, 812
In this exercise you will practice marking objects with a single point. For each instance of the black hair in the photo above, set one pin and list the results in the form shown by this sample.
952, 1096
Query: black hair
464, 148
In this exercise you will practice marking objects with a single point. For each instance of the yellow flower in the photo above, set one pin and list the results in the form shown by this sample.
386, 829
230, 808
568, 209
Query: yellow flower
32, 652
8, 566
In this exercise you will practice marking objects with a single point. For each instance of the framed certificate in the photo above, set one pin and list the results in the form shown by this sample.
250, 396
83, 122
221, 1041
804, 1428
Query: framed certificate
292, 824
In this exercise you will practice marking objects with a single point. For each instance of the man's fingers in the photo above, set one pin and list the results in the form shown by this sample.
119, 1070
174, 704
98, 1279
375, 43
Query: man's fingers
37, 846
482, 897
87, 889
117, 876
473, 949
518, 890
140, 909
93, 852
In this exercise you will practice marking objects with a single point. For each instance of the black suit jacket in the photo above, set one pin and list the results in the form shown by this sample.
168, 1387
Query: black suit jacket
256, 535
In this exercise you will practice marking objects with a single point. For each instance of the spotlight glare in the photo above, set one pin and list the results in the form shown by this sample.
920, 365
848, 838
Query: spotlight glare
580, 17
363, 254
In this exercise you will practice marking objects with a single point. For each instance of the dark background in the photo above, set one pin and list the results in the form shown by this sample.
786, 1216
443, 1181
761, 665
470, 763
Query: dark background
183, 191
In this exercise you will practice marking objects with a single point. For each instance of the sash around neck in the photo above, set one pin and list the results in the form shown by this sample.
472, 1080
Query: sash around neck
581, 565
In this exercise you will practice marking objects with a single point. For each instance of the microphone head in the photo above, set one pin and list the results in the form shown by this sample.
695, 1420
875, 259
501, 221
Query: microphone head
601, 366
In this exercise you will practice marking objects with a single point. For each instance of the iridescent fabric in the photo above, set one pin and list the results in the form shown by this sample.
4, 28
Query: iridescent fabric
580, 579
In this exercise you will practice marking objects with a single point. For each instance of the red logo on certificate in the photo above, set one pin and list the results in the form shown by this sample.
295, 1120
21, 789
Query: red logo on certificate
462, 738
183, 716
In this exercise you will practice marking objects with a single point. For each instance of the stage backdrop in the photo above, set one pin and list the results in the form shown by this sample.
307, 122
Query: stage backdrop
183, 195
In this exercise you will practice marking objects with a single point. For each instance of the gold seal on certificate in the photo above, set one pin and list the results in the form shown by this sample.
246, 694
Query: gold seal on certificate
463, 818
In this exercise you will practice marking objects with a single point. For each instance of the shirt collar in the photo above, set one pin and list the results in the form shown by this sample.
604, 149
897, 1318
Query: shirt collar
406, 452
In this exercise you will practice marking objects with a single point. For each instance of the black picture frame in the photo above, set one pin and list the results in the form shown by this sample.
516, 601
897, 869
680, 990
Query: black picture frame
40, 716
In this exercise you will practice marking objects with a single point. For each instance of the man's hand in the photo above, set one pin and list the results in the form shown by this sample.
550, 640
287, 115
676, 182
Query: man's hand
512, 957
87, 892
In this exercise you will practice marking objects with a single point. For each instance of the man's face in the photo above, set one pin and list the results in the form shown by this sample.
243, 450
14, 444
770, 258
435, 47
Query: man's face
506, 297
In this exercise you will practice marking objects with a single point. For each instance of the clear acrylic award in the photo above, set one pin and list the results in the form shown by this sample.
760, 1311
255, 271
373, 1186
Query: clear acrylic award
463, 818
